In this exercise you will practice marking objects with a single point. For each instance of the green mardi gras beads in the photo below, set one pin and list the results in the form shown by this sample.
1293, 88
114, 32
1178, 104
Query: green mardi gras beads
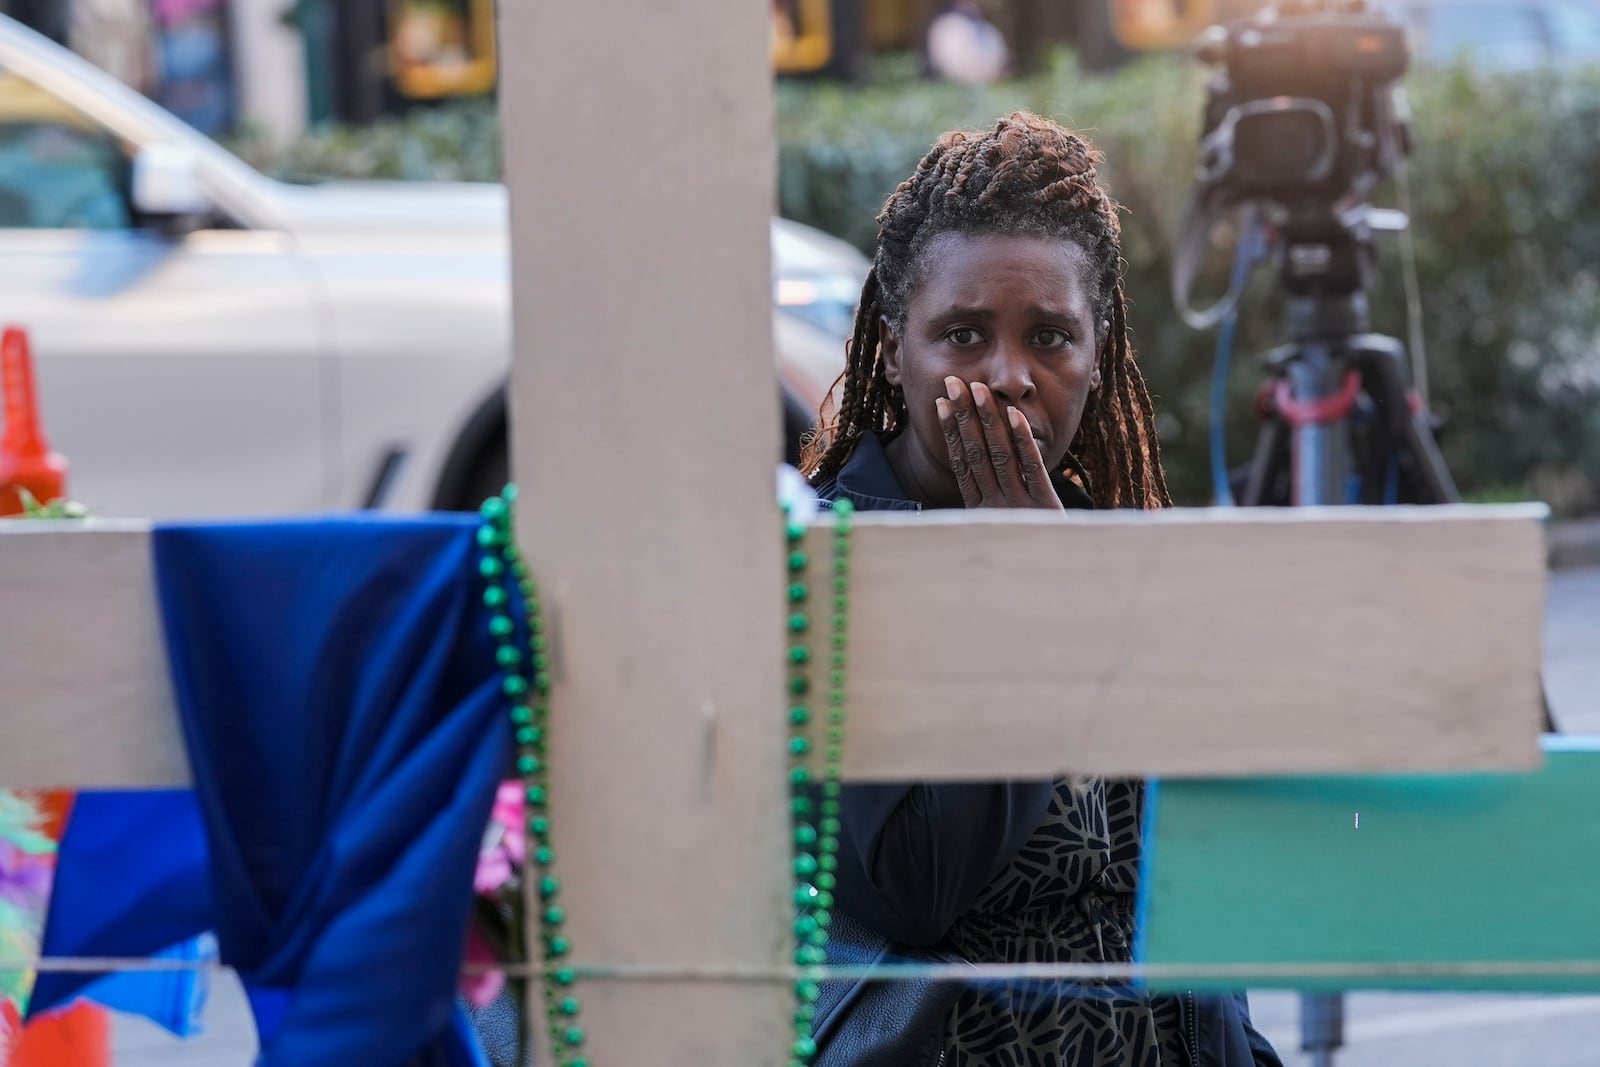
524, 662
815, 845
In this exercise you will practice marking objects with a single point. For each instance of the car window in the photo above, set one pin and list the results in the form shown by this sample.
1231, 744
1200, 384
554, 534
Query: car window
58, 168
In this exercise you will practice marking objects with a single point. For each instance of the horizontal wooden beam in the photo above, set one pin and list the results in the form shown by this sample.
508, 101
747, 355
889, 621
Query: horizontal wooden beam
1481, 881
1193, 642
85, 698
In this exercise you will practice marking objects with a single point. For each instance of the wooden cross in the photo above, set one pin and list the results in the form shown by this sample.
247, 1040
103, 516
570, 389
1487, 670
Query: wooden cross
640, 160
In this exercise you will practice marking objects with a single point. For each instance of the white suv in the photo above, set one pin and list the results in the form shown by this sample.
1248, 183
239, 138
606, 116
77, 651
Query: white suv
212, 342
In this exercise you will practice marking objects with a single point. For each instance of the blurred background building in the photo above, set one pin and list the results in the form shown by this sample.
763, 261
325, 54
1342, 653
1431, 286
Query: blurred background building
839, 37
279, 66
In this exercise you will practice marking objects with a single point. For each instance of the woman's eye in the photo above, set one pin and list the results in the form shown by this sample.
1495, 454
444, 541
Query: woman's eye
1052, 339
962, 336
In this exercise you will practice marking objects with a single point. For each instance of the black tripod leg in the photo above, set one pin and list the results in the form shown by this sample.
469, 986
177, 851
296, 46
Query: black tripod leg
1428, 464
1413, 440
1269, 446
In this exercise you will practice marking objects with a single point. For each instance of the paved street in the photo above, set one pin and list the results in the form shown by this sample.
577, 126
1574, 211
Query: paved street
1572, 651
1428, 1030
1410, 1030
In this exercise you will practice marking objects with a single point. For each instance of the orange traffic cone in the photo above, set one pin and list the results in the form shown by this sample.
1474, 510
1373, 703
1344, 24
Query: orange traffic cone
26, 462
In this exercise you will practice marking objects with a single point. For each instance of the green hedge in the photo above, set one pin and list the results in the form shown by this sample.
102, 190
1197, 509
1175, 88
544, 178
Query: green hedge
1505, 188
454, 142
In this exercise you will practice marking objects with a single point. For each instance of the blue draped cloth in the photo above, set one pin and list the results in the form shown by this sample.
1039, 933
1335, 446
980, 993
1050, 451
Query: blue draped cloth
345, 727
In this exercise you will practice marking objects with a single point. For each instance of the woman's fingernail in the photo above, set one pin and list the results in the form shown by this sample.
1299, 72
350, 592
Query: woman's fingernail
942, 406
1018, 423
952, 388
979, 399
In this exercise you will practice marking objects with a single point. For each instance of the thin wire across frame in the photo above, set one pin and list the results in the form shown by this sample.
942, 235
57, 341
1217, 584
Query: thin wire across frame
977, 972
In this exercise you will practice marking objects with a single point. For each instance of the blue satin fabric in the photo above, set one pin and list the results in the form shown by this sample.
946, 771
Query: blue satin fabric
345, 727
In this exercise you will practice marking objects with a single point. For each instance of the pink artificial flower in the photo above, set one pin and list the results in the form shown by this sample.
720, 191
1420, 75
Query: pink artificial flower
480, 988
494, 871
508, 813
505, 844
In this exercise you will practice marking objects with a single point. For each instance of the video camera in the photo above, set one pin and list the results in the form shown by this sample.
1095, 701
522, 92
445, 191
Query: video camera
1304, 115
1304, 109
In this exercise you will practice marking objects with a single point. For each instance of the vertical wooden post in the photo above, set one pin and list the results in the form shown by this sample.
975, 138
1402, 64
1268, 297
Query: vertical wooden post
644, 438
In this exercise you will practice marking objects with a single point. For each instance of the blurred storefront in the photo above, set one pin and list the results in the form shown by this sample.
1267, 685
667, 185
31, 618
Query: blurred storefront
369, 58
279, 65
835, 38
178, 52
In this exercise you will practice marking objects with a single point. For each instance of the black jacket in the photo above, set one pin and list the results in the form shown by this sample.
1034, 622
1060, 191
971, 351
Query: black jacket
896, 877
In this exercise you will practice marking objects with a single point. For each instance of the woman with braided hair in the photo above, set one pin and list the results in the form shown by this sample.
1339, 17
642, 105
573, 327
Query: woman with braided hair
991, 366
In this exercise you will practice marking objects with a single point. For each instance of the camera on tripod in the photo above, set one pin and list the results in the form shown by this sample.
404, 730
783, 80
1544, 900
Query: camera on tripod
1304, 108
1305, 114
1303, 117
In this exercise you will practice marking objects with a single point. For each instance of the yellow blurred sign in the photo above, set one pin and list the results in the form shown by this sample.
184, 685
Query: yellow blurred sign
442, 47
1144, 24
802, 36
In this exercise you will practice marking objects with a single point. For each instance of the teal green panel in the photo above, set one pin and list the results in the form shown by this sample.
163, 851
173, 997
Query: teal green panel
1501, 869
